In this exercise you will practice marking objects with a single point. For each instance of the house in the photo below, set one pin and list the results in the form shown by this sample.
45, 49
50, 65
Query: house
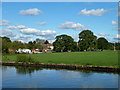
47, 48
11, 51
23, 51
36, 51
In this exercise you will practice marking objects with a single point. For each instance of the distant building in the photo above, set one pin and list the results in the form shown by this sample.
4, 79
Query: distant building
23, 51
47, 48
11, 51
36, 51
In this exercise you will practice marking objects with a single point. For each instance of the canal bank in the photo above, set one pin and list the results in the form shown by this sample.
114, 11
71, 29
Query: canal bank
64, 66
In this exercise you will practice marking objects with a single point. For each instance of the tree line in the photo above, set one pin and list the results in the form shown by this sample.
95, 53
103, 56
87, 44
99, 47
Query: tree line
63, 43
7, 44
87, 42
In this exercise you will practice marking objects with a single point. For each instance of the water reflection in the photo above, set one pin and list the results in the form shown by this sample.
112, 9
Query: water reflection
26, 70
29, 77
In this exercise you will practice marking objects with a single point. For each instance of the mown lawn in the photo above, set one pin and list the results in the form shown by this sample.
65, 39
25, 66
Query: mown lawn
97, 58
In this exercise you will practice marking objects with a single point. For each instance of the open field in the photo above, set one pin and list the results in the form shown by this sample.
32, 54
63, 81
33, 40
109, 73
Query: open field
95, 58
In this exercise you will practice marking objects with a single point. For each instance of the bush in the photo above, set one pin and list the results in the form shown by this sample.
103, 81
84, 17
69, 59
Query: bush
25, 59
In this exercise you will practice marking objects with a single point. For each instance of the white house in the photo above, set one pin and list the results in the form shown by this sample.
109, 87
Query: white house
23, 51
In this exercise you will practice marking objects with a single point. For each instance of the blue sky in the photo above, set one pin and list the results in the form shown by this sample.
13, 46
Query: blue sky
51, 19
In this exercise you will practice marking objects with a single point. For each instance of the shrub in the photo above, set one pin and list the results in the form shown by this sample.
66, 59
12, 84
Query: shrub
25, 59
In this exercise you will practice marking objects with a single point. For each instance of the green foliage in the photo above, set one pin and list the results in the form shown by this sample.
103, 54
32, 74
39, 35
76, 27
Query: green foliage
5, 44
34, 45
87, 40
102, 43
117, 46
110, 46
64, 43
46, 42
17, 44
24, 59
39, 41
7, 39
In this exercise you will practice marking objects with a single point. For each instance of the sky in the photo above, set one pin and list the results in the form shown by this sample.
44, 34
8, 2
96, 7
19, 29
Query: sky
26, 21
60, 0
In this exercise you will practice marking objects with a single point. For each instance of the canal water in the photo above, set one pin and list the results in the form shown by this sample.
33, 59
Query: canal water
20, 77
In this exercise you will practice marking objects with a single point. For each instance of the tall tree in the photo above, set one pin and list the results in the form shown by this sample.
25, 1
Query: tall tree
39, 41
102, 43
30, 45
16, 45
63, 43
6, 38
5, 44
87, 40
46, 42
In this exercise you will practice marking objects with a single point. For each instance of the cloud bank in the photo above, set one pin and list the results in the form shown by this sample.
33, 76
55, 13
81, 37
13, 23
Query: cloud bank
33, 12
4, 22
72, 25
93, 12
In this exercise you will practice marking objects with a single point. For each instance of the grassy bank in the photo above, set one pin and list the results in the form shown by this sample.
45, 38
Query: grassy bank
95, 58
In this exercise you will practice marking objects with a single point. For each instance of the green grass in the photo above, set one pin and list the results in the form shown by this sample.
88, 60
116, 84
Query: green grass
97, 58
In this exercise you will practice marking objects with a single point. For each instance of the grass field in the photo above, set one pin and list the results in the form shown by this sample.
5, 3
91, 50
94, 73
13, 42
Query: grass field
97, 58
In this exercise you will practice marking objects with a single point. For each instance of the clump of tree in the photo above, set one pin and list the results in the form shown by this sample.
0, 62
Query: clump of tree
6, 42
102, 43
64, 43
46, 42
87, 40
8, 45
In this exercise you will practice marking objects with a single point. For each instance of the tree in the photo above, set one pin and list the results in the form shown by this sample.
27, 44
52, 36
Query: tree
16, 45
6, 38
46, 42
87, 40
102, 43
30, 45
5, 44
39, 41
64, 43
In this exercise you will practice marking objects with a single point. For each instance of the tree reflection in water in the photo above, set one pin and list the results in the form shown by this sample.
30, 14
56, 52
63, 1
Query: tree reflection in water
26, 70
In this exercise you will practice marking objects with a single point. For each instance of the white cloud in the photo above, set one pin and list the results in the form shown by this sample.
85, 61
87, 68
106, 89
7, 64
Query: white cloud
42, 23
32, 31
17, 27
33, 11
22, 38
114, 23
117, 37
7, 32
72, 25
45, 34
14, 37
102, 35
4, 23
93, 12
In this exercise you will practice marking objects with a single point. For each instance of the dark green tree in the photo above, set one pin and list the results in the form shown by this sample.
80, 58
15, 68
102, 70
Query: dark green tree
102, 43
16, 45
6, 38
111, 46
5, 44
30, 45
87, 40
64, 43
46, 42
